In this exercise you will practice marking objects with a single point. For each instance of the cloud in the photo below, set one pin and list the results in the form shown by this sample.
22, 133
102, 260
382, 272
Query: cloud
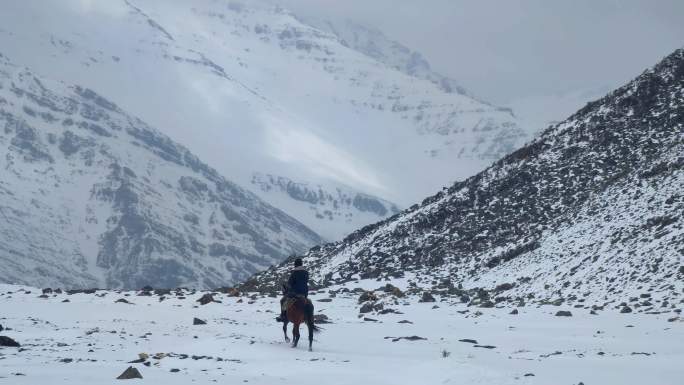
302, 148
109, 8
504, 50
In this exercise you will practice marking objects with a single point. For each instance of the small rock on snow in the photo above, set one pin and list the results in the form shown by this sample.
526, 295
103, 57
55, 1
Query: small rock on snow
6, 341
129, 374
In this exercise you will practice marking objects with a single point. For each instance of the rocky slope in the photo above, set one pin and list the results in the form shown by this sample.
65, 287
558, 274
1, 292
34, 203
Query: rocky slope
91, 196
274, 93
588, 213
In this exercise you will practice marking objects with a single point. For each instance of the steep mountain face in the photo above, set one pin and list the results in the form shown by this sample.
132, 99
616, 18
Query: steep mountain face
375, 44
91, 196
257, 80
338, 205
590, 212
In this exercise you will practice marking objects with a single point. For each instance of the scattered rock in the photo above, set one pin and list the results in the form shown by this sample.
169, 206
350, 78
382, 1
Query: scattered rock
205, 299
504, 287
66, 360
514, 311
174, 370
325, 300
393, 290
487, 304
485, 346
138, 361
563, 313
321, 319
121, 300
197, 321
468, 340
626, 309
369, 319
366, 308
6, 341
129, 374
81, 291
427, 297
411, 338
529, 374
367, 296
230, 291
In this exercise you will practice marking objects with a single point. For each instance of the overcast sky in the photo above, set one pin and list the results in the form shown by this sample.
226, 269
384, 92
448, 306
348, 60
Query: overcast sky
508, 50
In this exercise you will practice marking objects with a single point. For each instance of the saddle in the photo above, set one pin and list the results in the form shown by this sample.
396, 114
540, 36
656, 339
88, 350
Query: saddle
291, 299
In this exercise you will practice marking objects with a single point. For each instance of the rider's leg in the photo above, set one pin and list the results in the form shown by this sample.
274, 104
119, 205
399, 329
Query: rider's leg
282, 316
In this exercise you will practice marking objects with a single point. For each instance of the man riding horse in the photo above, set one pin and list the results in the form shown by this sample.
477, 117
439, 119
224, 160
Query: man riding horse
295, 307
297, 285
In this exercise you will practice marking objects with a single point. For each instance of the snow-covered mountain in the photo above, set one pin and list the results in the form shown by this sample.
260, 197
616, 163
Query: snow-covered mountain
375, 44
92, 197
251, 87
339, 206
591, 212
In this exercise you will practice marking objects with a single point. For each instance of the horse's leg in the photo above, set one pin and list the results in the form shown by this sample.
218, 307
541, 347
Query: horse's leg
311, 330
295, 334
287, 339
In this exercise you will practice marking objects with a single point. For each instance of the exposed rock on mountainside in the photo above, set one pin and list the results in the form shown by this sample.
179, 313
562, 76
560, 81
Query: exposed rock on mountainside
339, 206
591, 211
93, 197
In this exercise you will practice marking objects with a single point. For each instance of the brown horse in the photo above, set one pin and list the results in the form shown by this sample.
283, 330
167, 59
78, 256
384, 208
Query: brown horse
300, 311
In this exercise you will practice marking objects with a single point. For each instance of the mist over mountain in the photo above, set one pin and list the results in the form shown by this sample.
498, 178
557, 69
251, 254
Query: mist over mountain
255, 89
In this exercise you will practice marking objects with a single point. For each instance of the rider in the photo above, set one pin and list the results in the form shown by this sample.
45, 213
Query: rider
297, 285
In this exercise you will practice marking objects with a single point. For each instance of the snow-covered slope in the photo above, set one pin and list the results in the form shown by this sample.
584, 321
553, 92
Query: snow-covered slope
252, 88
91, 196
590, 212
338, 205
93, 338
375, 44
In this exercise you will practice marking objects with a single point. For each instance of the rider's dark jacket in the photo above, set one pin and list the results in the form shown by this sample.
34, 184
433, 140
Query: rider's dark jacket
298, 284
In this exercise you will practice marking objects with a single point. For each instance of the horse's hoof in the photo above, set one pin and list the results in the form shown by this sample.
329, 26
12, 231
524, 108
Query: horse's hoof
311, 350
287, 340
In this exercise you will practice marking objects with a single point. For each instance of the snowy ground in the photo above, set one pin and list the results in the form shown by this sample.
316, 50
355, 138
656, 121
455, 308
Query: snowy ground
245, 344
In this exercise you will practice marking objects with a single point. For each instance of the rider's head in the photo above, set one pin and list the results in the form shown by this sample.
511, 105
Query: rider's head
298, 262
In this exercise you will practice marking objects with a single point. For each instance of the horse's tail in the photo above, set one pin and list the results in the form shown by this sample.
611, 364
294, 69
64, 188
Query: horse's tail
309, 312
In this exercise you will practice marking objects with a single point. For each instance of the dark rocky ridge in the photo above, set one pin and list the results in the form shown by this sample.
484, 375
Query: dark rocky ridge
504, 225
